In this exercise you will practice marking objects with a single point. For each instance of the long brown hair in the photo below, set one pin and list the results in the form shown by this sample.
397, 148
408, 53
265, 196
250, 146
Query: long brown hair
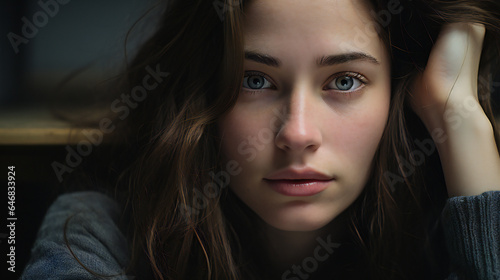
165, 149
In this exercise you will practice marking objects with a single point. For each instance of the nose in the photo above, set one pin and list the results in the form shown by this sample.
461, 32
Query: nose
299, 130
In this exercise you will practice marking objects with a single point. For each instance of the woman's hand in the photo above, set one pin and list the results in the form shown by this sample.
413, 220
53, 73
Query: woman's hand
450, 77
445, 98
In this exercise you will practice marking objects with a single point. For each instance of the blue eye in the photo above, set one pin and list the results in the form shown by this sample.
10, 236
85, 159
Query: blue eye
256, 81
346, 82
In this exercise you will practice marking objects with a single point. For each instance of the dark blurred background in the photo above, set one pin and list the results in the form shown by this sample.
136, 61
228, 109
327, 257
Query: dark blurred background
53, 54
78, 34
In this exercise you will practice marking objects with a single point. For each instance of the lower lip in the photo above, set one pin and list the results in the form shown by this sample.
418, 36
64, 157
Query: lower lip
298, 187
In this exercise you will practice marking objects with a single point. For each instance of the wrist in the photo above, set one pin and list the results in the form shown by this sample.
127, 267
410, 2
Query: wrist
469, 155
456, 122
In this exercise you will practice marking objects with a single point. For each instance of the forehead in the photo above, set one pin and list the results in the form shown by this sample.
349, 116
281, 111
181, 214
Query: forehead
318, 26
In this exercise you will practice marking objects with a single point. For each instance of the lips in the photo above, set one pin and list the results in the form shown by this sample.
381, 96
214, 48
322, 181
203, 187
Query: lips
298, 181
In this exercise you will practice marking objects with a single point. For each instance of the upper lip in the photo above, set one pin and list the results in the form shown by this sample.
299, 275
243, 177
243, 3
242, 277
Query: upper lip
304, 173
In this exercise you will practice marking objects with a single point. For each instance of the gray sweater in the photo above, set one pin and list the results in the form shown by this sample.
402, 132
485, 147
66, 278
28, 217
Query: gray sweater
471, 225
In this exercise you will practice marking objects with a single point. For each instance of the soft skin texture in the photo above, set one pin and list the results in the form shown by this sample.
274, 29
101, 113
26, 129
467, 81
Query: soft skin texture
446, 99
299, 119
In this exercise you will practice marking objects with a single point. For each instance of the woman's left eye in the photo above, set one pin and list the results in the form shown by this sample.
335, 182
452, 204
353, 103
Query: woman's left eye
346, 82
255, 81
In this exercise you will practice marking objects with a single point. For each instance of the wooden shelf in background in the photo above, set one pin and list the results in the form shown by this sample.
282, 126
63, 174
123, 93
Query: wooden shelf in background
36, 126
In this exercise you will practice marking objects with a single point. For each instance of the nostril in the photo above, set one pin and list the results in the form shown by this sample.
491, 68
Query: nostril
292, 139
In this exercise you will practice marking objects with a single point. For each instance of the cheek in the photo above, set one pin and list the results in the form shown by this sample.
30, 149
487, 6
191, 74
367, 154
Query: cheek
244, 134
240, 142
359, 138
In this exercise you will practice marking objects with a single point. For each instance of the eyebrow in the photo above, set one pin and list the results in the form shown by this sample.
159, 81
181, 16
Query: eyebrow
346, 57
329, 60
262, 58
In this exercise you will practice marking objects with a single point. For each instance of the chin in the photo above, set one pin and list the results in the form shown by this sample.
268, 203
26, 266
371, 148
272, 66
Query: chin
299, 227
301, 222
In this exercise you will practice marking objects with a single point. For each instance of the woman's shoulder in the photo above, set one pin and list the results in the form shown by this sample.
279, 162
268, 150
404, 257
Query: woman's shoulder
471, 227
80, 233
85, 203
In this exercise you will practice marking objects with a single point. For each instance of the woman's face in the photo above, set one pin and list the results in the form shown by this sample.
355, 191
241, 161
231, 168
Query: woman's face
311, 111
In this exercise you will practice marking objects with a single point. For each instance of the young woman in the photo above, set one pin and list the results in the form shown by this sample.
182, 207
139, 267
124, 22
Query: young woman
327, 139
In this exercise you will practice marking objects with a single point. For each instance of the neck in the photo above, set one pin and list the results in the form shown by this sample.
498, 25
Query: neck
287, 250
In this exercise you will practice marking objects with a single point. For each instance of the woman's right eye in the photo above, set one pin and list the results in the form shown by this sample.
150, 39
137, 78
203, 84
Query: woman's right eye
256, 81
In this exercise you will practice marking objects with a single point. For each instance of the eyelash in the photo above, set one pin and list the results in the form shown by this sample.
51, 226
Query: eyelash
362, 79
255, 73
